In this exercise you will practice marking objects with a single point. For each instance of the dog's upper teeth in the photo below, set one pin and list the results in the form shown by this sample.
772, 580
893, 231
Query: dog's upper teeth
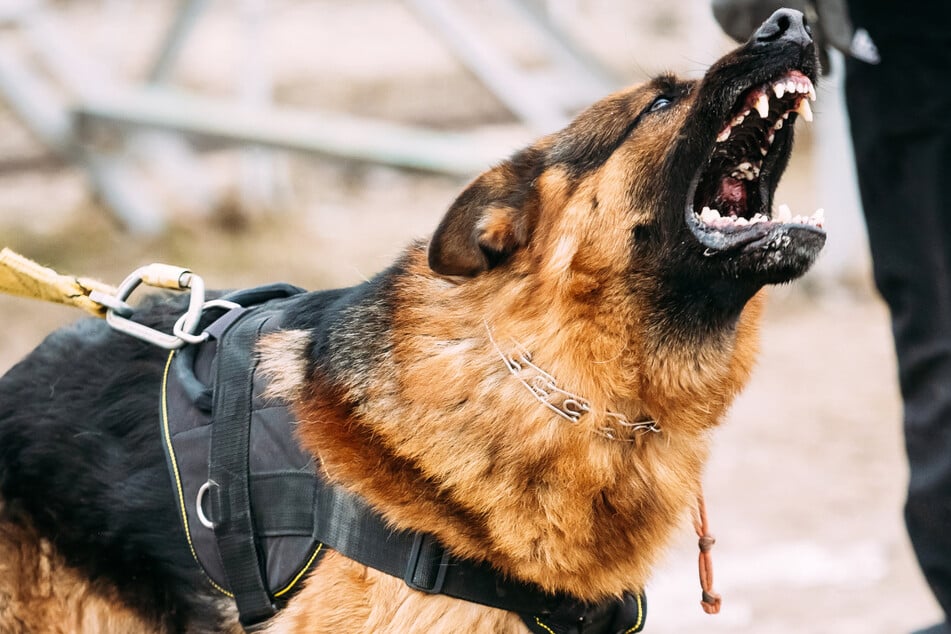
724, 134
745, 171
737, 120
779, 89
812, 91
803, 108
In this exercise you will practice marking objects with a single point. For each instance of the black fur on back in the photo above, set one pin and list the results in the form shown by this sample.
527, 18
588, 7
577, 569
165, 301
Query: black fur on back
81, 457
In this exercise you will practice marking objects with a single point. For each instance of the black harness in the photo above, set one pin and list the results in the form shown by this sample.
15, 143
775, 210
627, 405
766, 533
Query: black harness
258, 521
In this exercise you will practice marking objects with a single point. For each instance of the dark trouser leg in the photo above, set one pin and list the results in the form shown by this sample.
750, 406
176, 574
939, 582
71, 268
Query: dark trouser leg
903, 156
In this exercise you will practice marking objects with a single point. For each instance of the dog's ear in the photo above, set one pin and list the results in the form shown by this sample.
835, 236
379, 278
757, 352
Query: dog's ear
488, 222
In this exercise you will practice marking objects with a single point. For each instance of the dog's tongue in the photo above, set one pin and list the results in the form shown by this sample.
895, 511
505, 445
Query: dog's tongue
731, 199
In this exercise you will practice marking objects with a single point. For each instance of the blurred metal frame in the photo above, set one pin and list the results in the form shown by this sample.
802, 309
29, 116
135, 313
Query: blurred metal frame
70, 127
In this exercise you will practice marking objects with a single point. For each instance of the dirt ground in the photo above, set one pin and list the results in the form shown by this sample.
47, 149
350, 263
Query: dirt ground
805, 486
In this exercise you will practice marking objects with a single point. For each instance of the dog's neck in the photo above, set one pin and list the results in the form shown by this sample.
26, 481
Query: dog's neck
440, 435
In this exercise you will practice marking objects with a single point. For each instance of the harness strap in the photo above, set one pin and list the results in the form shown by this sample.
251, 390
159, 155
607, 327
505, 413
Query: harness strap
345, 523
229, 468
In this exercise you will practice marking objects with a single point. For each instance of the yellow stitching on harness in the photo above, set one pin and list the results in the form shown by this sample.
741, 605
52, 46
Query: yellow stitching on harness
178, 480
640, 616
301, 573
24, 277
540, 624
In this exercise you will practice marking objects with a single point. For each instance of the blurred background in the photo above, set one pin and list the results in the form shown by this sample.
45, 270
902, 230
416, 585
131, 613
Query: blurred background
308, 141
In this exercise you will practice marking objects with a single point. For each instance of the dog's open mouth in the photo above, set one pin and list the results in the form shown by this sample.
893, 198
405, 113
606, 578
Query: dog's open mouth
730, 206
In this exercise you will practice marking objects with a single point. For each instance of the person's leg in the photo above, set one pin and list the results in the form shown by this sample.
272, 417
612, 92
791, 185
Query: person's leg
903, 159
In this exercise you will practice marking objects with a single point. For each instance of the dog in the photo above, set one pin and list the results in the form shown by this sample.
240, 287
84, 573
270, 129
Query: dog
533, 387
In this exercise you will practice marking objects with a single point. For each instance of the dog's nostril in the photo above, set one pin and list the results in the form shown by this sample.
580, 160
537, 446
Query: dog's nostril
785, 24
773, 29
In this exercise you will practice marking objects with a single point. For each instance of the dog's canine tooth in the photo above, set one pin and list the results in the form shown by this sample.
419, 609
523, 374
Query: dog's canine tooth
783, 213
804, 109
762, 105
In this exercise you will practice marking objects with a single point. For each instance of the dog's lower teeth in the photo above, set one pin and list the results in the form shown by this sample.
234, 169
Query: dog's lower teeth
783, 213
708, 215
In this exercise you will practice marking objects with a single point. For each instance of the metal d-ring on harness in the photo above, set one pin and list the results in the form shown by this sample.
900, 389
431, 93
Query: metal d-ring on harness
119, 313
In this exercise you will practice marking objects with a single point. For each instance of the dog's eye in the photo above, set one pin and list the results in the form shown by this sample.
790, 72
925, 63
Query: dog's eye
659, 104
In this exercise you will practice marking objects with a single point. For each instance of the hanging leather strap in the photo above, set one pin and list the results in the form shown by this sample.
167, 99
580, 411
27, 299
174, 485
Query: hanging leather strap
710, 600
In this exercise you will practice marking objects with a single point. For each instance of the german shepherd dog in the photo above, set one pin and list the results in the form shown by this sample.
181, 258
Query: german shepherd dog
623, 256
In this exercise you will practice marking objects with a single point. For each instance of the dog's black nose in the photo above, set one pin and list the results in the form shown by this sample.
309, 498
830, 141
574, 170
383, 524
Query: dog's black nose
786, 25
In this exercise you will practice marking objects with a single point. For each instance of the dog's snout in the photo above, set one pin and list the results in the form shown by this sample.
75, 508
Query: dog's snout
785, 25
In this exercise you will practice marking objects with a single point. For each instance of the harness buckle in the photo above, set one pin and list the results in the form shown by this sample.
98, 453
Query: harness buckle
431, 575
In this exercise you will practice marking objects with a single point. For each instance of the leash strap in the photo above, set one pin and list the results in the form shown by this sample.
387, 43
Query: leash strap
229, 469
24, 277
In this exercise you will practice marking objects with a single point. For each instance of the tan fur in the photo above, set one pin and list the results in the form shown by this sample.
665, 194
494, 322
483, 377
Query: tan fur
283, 363
39, 593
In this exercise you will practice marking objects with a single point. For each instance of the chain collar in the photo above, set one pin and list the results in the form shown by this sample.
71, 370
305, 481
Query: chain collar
569, 406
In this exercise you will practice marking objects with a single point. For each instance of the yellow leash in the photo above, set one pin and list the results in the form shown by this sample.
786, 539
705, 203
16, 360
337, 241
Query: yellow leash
24, 277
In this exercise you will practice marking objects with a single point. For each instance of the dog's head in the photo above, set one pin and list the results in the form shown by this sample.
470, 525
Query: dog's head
671, 181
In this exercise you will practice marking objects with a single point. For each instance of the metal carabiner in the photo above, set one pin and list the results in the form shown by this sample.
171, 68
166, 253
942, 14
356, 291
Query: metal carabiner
160, 276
